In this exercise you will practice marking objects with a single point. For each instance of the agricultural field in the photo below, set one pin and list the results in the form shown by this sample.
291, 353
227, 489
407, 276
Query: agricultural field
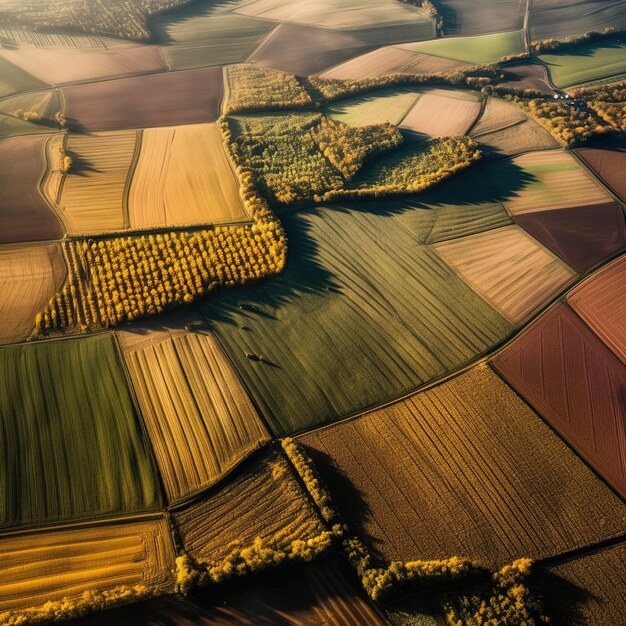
528, 76
266, 502
516, 275
481, 16
446, 472
586, 63
417, 319
93, 192
389, 60
145, 101
385, 105
29, 275
29, 114
74, 442
608, 161
601, 302
61, 65
558, 359
183, 177
474, 50
25, 215
316, 593
14, 78
443, 113
199, 418
61, 566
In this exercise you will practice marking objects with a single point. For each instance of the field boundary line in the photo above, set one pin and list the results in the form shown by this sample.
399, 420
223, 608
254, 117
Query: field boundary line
483, 106
130, 175
581, 553
263, 41
597, 177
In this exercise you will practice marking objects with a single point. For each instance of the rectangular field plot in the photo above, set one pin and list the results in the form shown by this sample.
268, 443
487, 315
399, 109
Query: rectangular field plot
183, 177
93, 193
601, 302
448, 472
586, 63
265, 501
391, 60
555, 180
24, 213
350, 269
442, 113
577, 384
29, 277
165, 99
509, 269
608, 161
54, 565
386, 105
197, 413
59, 65
72, 445
481, 16
588, 589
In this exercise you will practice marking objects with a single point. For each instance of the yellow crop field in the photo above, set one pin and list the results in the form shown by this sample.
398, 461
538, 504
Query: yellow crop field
53, 178
266, 502
555, 181
183, 177
509, 269
29, 276
199, 417
52, 565
93, 192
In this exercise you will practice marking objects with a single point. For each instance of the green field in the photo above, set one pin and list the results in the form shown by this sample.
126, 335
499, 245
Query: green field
385, 105
14, 79
197, 37
584, 64
478, 50
70, 442
363, 312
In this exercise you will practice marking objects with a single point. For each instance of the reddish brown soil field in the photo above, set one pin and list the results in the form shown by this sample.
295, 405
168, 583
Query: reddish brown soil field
187, 97
315, 594
304, 50
24, 214
461, 17
582, 236
601, 302
608, 161
577, 384
528, 76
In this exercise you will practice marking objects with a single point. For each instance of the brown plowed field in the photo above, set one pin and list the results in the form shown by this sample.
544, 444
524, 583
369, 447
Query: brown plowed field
304, 50
69, 65
465, 468
582, 236
166, 99
263, 500
609, 163
601, 302
528, 76
577, 384
24, 214
461, 17
316, 594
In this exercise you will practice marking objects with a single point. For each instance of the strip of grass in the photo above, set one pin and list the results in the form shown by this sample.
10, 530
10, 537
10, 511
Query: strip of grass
70, 441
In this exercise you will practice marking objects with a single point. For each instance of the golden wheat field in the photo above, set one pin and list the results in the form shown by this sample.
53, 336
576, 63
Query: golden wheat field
29, 275
56, 564
183, 177
199, 417
265, 502
53, 177
509, 269
93, 192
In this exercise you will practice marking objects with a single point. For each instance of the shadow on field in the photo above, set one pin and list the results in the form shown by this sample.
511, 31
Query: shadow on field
587, 50
81, 166
308, 271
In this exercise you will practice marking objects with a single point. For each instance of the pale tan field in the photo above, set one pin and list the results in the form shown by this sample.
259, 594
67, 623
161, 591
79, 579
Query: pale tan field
29, 276
93, 193
49, 566
498, 115
265, 502
199, 418
509, 269
558, 181
183, 177
441, 113
333, 13
62, 65
53, 178
389, 60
